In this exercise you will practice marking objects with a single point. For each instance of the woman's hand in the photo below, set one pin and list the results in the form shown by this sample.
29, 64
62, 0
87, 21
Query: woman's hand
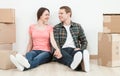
57, 54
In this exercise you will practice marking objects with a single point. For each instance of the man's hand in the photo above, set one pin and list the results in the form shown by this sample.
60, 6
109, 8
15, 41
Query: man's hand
57, 54
77, 49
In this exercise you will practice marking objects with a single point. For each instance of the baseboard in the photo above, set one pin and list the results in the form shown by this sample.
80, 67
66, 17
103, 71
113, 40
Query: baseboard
93, 56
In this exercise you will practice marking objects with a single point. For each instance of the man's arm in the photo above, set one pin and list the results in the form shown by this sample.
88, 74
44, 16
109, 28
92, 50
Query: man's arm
82, 38
57, 52
56, 36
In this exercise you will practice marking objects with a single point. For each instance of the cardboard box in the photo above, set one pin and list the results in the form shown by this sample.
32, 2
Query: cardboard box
7, 16
111, 23
7, 33
5, 46
5, 62
109, 49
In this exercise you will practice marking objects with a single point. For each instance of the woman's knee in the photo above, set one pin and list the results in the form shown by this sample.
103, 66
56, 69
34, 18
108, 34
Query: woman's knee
48, 54
30, 53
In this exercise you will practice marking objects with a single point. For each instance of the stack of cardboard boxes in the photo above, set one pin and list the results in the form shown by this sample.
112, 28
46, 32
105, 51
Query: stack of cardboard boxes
109, 41
7, 37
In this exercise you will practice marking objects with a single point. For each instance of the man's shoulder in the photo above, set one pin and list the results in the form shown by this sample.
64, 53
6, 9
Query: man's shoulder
76, 24
57, 25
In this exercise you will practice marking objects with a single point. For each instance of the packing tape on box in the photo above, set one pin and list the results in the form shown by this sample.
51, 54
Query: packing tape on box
116, 37
107, 19
106, 29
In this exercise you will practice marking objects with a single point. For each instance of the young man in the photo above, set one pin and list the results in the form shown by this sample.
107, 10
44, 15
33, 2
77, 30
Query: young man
72, 41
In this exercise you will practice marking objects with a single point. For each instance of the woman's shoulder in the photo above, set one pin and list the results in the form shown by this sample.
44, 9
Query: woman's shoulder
32, 26
49, 26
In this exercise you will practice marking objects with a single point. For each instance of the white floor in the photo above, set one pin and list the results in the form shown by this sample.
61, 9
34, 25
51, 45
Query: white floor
56, 69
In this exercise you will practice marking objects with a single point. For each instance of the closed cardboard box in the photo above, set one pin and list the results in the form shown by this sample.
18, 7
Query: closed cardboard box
7, 16
111, 23
7, 33
5, 62
5, 46
109, 49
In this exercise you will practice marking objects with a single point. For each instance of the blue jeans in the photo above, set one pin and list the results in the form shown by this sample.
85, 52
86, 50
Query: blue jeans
38, 57
67, 57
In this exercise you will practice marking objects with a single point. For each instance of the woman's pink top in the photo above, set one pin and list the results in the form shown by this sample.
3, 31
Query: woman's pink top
41, 38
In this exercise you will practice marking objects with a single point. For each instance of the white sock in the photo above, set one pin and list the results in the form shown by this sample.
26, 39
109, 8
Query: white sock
86, 60
14, 61
76, 60
22, 60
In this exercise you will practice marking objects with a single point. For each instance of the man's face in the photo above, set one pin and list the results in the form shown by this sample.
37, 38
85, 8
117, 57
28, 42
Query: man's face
63, 16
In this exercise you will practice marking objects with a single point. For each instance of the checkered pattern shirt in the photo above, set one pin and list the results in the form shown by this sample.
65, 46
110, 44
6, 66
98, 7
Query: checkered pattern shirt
77, 33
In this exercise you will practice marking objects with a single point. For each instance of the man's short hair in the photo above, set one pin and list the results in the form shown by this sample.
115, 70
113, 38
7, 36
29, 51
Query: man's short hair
67, 9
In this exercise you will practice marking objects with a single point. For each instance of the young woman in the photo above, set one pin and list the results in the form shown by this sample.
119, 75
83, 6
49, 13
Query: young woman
39, 48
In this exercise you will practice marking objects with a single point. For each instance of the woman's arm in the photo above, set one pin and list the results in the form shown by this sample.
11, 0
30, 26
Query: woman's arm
57, 52
53, 42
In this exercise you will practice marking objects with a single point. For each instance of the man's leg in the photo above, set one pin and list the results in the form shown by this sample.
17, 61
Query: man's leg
72, 52
67, 58
85, 64
76, 60
86, 61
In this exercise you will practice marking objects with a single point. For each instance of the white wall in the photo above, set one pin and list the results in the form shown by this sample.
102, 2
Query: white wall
86, 12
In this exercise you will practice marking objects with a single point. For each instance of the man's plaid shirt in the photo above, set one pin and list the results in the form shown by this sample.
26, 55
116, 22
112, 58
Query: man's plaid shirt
77, 32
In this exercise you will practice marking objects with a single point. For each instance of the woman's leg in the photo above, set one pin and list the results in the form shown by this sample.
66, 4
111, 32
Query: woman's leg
30, 55
41, 58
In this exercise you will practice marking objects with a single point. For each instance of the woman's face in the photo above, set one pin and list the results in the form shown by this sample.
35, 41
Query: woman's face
45, 16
